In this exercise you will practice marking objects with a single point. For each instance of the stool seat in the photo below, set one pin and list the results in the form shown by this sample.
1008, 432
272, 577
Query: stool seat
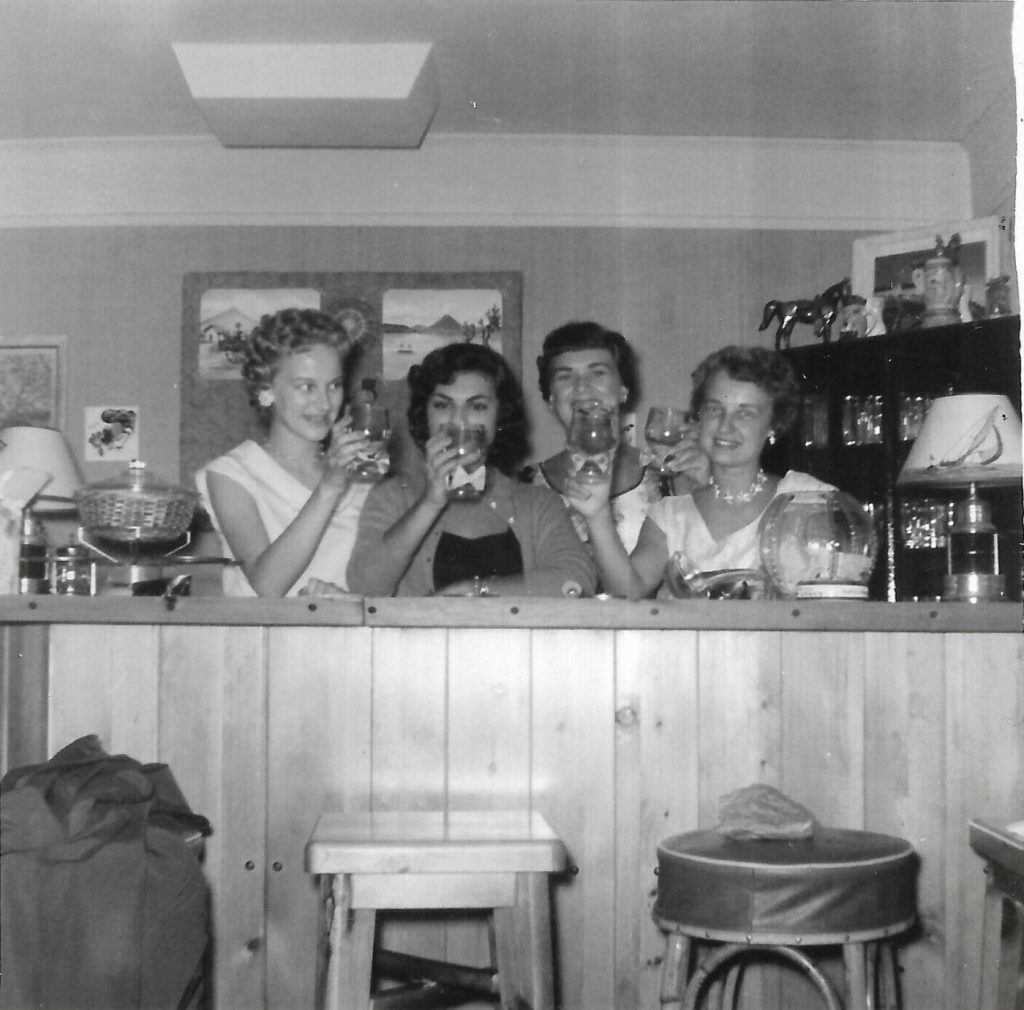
494, 860
460, 841
837, 886
747, 897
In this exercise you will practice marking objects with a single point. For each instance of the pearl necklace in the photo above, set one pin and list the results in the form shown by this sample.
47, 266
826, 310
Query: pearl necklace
741, 497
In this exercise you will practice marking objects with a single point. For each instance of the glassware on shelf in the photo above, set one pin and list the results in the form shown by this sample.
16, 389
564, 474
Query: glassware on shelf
593, 435
818, 545
664, 428
912, 410
814, 421
862, 420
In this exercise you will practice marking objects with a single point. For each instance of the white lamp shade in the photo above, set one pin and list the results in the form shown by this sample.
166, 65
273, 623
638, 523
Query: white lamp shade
25, 447
971, 438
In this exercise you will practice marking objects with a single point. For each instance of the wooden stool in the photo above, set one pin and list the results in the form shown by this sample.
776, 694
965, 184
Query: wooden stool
1002, 943
848, 888
433, 860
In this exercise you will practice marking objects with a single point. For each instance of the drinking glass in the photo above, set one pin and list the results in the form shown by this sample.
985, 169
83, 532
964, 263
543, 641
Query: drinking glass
372, 463
469, 441
593, 435
664, 428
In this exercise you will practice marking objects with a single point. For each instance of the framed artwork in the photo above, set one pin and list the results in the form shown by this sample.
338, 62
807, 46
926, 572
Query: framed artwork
884, 262
396, 317
32, 381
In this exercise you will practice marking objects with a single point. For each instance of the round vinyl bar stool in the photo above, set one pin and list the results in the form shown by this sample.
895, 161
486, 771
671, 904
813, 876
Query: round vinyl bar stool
747, 897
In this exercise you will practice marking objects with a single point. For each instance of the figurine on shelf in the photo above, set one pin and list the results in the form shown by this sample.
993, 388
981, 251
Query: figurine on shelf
943, 284
819, 312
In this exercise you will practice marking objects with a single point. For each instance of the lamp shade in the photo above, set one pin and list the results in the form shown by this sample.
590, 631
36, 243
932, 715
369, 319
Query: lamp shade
46, 449
970, 438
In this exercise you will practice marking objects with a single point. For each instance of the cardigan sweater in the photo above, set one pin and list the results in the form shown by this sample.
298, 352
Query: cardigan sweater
552, 553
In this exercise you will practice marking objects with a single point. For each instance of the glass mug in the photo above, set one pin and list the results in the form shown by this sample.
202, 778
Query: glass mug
373, 462
593, 435
664, 428
469, 441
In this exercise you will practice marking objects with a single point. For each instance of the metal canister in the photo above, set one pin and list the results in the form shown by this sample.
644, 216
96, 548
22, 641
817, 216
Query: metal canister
32, 557
72, 571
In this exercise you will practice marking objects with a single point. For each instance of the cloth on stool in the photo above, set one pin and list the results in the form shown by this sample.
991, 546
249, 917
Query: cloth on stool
760, 811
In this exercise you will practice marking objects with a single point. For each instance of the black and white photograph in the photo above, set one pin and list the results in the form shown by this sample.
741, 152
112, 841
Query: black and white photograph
595, 585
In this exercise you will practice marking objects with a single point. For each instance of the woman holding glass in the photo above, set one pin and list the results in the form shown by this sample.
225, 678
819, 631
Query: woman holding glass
584, 363
286, 508
460, 525
743, 397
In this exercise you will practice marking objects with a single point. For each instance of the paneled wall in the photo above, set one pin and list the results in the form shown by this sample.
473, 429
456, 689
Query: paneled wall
678, 294
619, 737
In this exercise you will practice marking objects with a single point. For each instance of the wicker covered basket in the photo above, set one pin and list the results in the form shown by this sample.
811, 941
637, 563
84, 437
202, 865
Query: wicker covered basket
135, 506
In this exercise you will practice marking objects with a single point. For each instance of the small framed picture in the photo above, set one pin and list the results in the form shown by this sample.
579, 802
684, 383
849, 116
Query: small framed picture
32, 381
887, 262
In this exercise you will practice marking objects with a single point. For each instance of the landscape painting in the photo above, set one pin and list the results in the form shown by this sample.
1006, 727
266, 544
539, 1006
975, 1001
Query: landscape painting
227, 317
415, 321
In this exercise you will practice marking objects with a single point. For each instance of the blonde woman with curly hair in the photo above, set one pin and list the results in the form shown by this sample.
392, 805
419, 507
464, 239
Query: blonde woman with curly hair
284, 507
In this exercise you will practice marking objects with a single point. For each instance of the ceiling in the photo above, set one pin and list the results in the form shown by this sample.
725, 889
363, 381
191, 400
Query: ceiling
763, 68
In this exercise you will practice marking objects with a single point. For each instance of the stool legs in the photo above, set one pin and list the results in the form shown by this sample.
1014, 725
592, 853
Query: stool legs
523, 943
674, 968
343, 983
720, 956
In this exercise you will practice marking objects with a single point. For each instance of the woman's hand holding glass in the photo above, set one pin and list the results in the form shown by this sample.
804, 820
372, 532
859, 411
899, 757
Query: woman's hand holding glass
344, 451
671, 435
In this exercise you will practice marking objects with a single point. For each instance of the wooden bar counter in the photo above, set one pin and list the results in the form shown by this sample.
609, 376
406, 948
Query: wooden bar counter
622, 723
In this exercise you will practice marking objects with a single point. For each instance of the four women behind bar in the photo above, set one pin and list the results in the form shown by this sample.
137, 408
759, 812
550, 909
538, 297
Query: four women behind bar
464, 524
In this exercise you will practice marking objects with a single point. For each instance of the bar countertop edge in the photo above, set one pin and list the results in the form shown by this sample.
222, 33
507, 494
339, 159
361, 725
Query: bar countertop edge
521, 612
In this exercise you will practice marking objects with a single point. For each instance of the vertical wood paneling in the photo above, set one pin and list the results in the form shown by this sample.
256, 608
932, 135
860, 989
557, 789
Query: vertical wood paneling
213, 729
409, 749
823, 726
573, 772
488, 744
656, 783
740, 714
985, 779
24, 692
904, 739
103, 680
318, 757
909, 734
740, 719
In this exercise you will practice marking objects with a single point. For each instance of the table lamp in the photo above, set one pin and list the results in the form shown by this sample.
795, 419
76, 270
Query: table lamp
968, 440
46, 449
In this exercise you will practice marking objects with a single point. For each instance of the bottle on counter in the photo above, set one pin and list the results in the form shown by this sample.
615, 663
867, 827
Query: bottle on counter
32, 574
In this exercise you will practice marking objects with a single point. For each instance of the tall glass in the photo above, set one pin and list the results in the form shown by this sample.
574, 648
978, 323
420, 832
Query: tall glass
664, 428
373, 463
593, 435
469, 441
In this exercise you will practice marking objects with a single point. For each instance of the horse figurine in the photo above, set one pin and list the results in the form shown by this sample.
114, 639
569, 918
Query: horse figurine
819, 312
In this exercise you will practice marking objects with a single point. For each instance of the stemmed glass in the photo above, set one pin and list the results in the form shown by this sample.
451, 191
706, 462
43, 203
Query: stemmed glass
664, 428
593, 434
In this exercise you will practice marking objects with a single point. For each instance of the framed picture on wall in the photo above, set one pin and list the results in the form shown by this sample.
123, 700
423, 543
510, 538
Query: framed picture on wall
397, 318
887, 261
32, 381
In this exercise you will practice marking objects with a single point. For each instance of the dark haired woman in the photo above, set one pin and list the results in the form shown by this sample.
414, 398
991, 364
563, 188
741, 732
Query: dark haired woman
743, 397
414, 539
284, 507
587, 361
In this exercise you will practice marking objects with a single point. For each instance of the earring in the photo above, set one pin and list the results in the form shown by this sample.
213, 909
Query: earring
265, 398
771, 438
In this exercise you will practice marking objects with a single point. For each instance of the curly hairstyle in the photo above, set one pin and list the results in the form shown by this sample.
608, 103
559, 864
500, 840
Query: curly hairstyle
289, 331
586, 336
440, 367
768, 370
